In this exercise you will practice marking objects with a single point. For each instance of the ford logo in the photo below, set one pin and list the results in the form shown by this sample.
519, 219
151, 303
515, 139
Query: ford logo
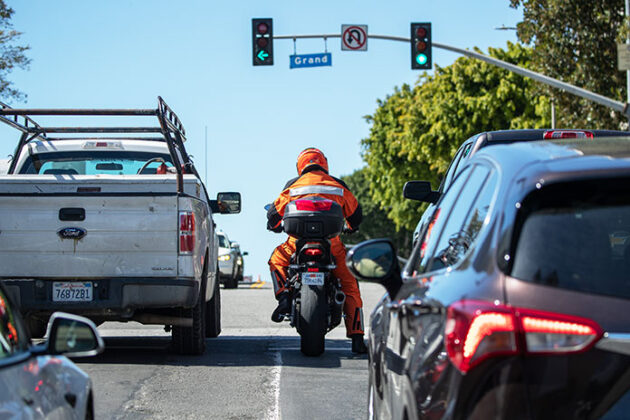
72, 233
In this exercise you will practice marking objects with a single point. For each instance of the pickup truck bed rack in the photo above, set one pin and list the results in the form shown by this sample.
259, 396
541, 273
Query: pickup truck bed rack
169, 126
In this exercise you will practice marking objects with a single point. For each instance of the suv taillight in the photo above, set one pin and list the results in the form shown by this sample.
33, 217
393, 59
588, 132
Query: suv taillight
477, 330
567, 134
186, 232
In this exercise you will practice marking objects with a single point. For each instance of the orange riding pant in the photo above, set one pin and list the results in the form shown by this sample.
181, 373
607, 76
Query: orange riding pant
352, 308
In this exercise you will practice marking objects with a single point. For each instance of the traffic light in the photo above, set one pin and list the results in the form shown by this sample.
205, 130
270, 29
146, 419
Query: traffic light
262, 41
421, 46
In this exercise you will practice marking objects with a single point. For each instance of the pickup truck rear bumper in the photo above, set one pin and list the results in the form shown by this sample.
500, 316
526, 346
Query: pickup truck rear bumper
111, 296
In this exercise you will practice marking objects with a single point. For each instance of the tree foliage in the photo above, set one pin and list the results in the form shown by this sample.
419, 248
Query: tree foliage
375, 222
576, 41
11, 55
416, 131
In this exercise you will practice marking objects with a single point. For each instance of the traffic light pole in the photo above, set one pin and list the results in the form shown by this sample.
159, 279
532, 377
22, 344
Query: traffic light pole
624, 108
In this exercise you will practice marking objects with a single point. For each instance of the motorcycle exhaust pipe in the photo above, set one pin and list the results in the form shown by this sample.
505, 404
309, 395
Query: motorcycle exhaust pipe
337, 308
340, 298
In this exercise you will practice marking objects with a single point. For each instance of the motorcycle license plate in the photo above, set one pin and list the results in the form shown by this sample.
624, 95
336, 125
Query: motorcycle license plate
313, 279
72, 291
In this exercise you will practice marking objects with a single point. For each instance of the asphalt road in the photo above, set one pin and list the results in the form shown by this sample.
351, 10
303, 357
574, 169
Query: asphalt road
254, 370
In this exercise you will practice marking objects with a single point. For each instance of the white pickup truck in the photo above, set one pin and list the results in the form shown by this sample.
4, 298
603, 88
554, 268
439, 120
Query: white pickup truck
113, 224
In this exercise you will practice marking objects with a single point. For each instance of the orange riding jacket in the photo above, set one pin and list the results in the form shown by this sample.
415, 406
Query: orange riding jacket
315, 182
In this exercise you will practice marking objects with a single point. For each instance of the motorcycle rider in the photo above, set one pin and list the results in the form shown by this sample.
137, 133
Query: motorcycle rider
313, 180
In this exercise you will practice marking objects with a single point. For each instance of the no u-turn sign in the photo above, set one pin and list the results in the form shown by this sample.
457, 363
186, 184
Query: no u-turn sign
354, 37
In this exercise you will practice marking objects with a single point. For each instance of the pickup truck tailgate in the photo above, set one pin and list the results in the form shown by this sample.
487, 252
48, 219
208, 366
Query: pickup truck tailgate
127, 234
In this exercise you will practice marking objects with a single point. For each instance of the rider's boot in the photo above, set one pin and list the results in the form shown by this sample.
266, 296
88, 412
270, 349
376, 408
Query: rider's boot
358, 344
283, 308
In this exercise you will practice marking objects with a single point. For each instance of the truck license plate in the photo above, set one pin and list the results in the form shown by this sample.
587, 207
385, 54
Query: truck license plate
72, 291
313, 279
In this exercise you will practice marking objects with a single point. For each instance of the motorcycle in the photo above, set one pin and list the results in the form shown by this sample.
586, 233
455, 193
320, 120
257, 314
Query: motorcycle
316, 298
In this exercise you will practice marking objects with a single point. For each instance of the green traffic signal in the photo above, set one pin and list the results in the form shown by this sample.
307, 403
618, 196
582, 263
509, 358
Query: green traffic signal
421, 46
421, 59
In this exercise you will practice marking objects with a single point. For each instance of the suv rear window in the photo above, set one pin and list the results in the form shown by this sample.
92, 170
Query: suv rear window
576, 236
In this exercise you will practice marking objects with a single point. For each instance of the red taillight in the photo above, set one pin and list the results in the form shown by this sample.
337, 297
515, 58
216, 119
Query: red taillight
186, 232
313, 205
554, 333
567, 134
477, 330
313, 252
186, 221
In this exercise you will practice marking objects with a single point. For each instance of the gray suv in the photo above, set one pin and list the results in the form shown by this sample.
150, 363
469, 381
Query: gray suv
421, 190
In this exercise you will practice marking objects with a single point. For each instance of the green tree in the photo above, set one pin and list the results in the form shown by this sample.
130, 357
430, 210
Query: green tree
575, 41
375, 222
11, 55
416, 131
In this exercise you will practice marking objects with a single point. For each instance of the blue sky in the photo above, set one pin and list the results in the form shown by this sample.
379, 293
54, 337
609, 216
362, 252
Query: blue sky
197, 56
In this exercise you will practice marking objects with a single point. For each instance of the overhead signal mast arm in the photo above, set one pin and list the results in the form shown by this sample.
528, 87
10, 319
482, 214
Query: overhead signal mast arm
623, 108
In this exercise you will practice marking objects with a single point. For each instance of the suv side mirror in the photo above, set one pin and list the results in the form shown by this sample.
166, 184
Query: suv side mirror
421, 191
73, 336
245, 253
376, 261
226, 203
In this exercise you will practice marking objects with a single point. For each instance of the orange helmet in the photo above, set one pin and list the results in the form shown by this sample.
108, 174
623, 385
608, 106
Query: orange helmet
310, 157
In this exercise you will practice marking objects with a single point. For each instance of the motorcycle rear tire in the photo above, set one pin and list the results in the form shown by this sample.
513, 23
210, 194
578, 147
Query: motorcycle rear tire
312, 320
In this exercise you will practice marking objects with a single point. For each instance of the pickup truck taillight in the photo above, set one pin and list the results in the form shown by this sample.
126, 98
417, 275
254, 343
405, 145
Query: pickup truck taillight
477, 330
186, 232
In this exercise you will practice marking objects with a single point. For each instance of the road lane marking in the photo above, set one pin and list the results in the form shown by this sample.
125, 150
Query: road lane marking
327, 349
257, 285
276, 372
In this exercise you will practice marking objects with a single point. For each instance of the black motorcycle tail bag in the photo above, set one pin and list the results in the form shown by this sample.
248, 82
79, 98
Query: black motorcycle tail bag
313, 218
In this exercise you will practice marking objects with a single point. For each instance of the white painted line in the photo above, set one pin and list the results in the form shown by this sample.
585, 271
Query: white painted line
276, 371
328, 349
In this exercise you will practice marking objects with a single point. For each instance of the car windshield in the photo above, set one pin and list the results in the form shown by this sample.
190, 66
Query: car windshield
223, 242
576, 236
94, 163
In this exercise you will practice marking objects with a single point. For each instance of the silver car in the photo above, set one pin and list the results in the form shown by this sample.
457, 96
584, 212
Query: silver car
39, 381
228, 268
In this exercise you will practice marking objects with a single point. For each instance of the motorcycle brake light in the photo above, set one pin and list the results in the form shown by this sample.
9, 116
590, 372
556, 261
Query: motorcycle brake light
313, 205
477, 330
312, 270
313, 252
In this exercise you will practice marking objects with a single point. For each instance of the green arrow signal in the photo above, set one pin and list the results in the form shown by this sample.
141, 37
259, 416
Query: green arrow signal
262, 55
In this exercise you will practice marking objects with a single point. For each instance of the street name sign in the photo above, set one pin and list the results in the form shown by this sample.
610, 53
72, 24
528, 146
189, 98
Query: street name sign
298, 61
354, 37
